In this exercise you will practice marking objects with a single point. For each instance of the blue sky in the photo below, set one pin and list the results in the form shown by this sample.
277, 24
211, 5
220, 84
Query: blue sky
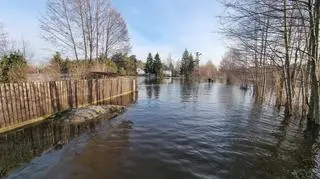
164, 26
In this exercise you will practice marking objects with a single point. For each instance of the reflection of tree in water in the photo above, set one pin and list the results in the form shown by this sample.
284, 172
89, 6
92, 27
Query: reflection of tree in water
21, 146
271, 147
156, 89
294, 151
151, 81
149, 91
103, 155
208, 87
226, 96
189, 90
153, 87
292, 156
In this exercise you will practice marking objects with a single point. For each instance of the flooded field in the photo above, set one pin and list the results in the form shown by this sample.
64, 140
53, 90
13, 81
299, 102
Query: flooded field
172, 130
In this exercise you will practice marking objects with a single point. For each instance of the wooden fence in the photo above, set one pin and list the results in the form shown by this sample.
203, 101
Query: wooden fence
25, 103
15, 146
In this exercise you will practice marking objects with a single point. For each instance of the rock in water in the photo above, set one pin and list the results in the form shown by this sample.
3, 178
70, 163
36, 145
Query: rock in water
80, 115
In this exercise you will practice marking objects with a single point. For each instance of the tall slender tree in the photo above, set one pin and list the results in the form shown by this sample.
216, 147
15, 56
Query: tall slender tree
149, 64
187, 64
157, 65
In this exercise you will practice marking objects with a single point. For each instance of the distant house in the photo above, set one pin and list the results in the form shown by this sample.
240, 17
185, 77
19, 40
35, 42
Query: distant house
140, 72
167, 73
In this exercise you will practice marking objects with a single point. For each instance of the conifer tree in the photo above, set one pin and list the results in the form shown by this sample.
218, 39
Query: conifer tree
157, 65
149, 64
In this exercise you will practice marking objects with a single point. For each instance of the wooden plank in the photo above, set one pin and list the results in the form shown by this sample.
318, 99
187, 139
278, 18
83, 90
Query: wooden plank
86, 97
82, 95
3, 109
8, 105
37, 100
22, 97
47, 86
76, 93
52, 101
34, 100
56, 88
111, 88
27, 99
20, 101
42, 106
46, 112
103, 93
15, 100
37, 94
11, 99
59, 95
98, 90
65, 89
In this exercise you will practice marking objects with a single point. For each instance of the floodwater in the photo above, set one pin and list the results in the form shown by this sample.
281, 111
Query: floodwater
172, 130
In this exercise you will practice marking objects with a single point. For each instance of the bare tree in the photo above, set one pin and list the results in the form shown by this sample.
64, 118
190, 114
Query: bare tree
58, 25
280, 40
3, 40
116, 34
89, 28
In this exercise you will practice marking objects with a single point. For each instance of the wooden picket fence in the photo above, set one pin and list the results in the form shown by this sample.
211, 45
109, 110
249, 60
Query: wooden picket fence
25, 103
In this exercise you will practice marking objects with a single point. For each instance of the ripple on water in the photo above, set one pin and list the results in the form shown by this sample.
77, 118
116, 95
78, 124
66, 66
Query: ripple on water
186, 131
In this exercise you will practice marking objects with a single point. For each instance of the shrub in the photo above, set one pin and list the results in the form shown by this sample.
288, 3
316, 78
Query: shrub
13, 67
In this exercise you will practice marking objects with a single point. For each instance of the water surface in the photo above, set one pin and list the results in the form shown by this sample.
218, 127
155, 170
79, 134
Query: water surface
173, 130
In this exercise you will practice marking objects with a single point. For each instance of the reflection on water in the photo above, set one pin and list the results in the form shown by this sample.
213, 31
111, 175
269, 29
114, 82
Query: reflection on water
21, 146
153, 87
189, 91
185, 130
96, 156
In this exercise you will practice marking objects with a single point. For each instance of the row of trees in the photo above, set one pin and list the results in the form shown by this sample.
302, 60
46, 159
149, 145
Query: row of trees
277, 42
188, 66
121, 64
88, 28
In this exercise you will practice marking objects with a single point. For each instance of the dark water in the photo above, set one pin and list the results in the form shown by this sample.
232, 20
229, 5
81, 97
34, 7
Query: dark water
173, 130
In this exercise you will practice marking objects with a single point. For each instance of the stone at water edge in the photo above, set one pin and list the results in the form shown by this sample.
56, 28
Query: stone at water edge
83, 114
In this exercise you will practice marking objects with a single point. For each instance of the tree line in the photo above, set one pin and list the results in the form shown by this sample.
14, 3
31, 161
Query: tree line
91, 32
276, 42
188, 67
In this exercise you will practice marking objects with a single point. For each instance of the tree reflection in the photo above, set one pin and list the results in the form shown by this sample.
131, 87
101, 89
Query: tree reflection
153, 87
21, 146
156, 89
189, 90
103, 154
149, 91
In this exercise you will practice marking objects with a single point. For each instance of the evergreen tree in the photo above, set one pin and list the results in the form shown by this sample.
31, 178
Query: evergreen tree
157, 65
171, 67
13, 68
187, 64
149, 64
